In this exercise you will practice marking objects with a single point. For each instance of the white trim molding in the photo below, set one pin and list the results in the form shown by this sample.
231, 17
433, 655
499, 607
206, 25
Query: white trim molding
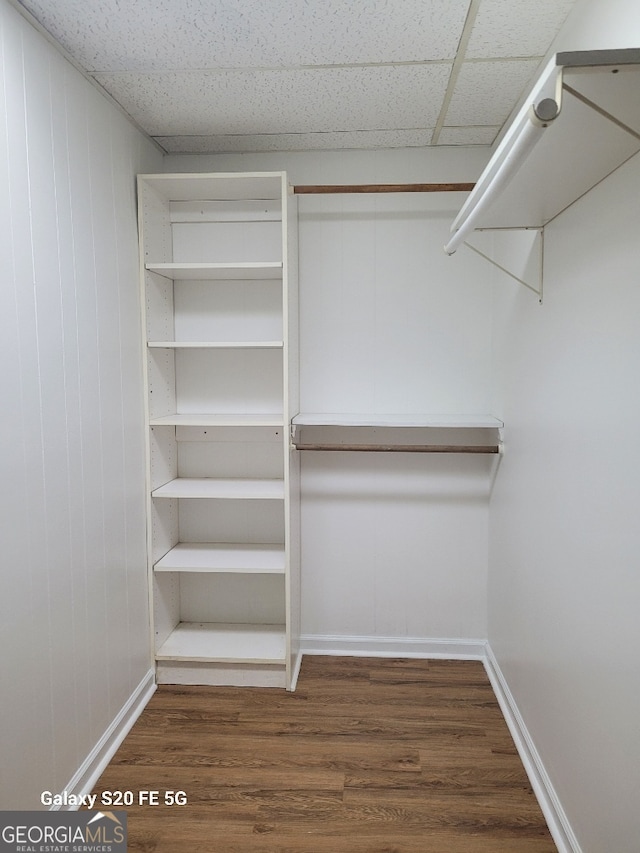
412, 647
96, 762
554, 814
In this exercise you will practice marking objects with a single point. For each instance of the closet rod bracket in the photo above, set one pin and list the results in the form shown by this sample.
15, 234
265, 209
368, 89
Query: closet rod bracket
533, 283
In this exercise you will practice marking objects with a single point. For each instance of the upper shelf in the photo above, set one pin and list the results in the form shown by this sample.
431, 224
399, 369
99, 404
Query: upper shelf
217, 186
580, 122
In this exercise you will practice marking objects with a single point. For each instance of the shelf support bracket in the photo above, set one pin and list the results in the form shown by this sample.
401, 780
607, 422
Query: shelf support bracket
528, 259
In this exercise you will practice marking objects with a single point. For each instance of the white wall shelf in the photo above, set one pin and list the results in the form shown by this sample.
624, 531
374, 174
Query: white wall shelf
225, 643
457, 421
397, 433
217, 268
224, 557
239, 489
580, 122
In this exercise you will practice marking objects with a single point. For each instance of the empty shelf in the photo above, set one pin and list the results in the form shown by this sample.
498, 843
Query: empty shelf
227, 557
217, 186
213, 420
217, 272
397, 420
216, 344
236, 489
225, 643
396, 433
535, 173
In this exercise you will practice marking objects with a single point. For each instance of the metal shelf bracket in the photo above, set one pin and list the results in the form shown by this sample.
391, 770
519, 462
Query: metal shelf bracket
517, 252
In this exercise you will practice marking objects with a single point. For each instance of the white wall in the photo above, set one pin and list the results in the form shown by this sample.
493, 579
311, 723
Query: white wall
392, 546
73, 627
564, 577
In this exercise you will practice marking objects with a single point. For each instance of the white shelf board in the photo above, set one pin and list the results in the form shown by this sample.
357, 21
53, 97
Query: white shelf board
441, 421
225, 643
226, 557
216, 344
236, 489
576, 151
218, 271
221, 420
212, 186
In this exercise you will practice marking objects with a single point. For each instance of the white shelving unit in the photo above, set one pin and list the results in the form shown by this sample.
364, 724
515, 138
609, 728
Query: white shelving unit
218, 272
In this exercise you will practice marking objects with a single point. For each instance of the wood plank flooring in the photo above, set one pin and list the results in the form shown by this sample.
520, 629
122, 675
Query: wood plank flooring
369, 755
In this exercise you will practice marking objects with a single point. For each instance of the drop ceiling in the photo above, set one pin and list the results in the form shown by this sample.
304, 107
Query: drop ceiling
280, 75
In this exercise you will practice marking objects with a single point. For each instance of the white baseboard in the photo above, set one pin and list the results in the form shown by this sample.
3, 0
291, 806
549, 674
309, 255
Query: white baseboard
412, 647
96, 762
554, 814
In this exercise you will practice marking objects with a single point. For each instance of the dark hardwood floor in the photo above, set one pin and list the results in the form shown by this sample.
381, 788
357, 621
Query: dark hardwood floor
369, 755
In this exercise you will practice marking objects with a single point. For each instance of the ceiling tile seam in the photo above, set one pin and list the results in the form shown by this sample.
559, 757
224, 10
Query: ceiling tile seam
257, 138
469, 126
243, 69
252, 150
302, 132
308, 134
465, 36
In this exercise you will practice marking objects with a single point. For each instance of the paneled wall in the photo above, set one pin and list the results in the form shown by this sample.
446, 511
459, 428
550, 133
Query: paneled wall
394, 547
564, 565
73, 625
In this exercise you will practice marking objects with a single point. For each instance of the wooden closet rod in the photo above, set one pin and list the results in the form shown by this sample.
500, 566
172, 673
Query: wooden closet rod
404, 448
381, 188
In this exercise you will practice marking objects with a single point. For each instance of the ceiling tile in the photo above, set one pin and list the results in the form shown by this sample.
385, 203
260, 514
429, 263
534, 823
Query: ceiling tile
468, 135
236, 75
148, 35
302, 101
360, 139
516, 27
486, 91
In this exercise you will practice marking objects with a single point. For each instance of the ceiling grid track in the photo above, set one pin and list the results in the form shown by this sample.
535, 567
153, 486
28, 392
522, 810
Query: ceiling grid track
474, 6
